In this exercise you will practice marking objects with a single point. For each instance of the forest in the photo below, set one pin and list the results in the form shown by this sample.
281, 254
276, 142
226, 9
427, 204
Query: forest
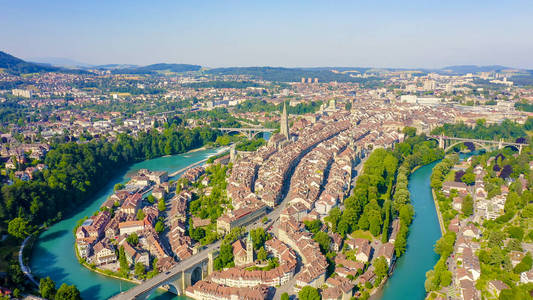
76, 171
264, 106
508, 130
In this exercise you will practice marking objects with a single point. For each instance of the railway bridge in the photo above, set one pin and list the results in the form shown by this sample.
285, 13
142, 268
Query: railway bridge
447, 143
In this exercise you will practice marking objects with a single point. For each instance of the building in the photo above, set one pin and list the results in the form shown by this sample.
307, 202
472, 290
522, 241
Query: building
284, 122
22, 93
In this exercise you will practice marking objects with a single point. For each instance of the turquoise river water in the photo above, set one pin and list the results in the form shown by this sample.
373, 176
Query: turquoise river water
407, 281
53, 254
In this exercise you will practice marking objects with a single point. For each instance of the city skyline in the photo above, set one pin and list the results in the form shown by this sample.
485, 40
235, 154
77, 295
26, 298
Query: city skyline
311, 34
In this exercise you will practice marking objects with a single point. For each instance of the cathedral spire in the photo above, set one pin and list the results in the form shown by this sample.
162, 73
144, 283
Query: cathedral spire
284, 122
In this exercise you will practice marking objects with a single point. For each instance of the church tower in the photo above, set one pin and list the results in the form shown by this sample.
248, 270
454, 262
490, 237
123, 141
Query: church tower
249, 250
284, 122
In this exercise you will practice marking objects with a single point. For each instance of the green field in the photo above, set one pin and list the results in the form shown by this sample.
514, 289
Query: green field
363, 234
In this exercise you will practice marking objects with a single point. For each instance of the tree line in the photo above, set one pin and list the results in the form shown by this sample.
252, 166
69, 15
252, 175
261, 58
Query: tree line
76, 171
381, 192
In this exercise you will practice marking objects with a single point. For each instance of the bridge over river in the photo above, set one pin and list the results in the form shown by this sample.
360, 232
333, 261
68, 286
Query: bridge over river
447, 143
191, 269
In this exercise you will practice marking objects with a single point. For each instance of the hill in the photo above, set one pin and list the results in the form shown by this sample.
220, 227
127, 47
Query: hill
157, 68
16, 65
285, 74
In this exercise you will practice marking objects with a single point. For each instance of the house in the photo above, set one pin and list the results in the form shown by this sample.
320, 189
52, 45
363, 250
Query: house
363, 253
387, 251
134, 256
496, 286
516, 257
159, 192
526, 277
131, 204
103, 253
84, 248
457, 203
471, 231
129, 227
448, 186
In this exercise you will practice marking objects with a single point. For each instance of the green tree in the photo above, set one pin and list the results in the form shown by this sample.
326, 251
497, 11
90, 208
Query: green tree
468, 206
524, 265
139, 270
123, 262
18, 227
285, 296
313, 226
409, 131
262, 254
118, 186
469, 178
47, 288
323, 241
150, 199
259, 237
159, 227
161, 205
308, 293
133, 239
68, 292
140, 215
381, 268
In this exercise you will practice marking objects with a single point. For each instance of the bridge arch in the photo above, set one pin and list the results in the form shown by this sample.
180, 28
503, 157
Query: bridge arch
174, 288
512, 146
485, 147
196, 275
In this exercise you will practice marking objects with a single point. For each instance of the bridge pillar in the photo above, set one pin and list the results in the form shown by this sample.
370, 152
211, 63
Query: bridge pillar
441, 142
500, 144
210, 260
520, 149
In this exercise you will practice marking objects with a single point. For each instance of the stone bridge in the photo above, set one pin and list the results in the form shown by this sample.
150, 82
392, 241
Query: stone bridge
177, 279
447, 143
249, 132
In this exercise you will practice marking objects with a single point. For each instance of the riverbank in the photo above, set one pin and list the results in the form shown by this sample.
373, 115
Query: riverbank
53, 253
439, 215
407, 280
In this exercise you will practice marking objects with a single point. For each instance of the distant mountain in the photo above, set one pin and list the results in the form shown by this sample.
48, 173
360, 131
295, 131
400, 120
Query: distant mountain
60, 62
287, 74
158, 68
464, 69
14, 65
116, 66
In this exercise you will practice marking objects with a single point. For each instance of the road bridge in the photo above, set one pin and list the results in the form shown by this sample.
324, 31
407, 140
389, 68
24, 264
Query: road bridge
249, 132
190, 270
447, 143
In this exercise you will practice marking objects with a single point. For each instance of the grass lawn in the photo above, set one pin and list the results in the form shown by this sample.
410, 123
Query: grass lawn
362, 234
450, 176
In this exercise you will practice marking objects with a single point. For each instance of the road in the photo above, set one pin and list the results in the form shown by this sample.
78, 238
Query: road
185, 264
26, 270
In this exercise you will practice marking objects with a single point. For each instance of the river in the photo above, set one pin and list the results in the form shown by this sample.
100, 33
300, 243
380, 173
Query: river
407, 281
53, 254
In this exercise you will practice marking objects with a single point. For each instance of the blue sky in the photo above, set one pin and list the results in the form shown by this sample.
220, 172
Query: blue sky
374, 33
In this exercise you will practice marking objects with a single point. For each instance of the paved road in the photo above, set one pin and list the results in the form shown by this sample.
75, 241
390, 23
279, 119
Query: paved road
193, 260
26, 270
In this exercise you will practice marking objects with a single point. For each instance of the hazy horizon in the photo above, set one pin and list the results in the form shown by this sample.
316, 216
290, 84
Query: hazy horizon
385, 34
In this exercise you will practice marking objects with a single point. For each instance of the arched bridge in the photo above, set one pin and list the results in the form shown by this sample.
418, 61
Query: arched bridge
177, 279
249, 132
447, 143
